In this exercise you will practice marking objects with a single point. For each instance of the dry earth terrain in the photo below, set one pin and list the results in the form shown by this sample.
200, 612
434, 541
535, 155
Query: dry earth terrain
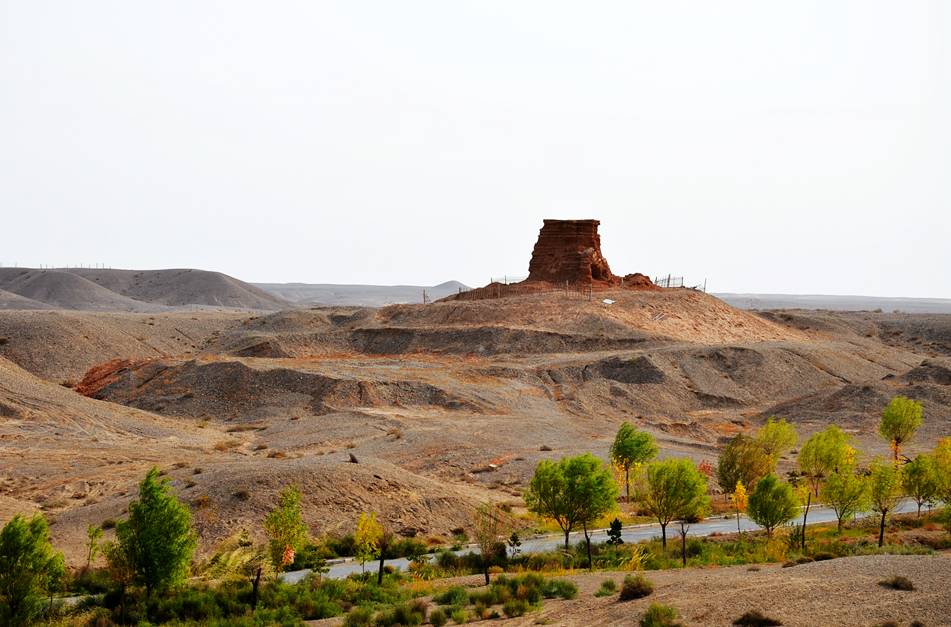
833, 593
442, 405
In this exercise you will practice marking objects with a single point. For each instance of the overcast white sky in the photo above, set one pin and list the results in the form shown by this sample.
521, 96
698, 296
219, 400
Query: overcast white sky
798, 147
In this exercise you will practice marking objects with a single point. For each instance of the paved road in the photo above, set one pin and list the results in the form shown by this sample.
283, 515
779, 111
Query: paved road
636, 533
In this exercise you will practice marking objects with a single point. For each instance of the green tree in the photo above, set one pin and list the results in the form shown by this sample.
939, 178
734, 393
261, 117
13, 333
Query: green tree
885, 491
824, 452
93, 536
614, 533
572, 491
674, 490
772, 503
157, 538
920, 480
942, 464
901, 418
744, 459
778, 437
29, 569
367, 538
631, 448
846, 493
285, 529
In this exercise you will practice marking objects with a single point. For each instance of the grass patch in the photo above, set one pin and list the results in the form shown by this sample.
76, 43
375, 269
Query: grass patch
658, 615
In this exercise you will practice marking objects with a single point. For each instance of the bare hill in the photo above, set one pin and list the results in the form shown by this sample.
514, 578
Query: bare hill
65, 290
130, 290
183, 287
9, 300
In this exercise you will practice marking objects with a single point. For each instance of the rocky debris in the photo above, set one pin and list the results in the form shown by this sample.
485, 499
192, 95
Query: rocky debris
570, 250
929, 371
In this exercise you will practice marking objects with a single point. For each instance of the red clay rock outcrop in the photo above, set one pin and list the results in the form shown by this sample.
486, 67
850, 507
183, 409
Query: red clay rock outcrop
570, 250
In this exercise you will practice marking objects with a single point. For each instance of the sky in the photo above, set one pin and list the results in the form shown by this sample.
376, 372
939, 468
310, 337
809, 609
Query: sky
797, 147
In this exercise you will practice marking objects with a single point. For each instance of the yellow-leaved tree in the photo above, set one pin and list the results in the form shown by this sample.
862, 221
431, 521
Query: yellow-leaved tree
739, 500
367, 538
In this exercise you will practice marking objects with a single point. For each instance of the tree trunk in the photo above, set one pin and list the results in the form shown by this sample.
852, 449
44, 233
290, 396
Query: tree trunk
881, 530
683, 544
663, 535
919, 510
379, 577
738, 532
254, 589
485, 569
627, 483
805, 513
567, 531
840, 526
587, 540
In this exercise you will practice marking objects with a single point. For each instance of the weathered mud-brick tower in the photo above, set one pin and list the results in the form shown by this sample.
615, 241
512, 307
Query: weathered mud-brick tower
570, 250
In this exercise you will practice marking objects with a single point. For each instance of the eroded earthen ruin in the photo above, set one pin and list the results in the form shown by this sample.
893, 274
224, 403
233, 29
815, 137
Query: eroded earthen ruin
570, 250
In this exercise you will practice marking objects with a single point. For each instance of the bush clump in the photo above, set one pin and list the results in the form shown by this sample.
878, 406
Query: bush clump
404, 615
455, 595
608, 587
898, 582
358, 617
459, 616
755, 618
658, 615
635, 587
515, 607
438, 617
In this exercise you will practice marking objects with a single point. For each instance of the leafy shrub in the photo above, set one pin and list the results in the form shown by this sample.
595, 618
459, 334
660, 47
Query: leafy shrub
358, 617
658, 615
608, 587
635, 587
455, 595
754, 618
404, 615
898, 583
459, 616
437, 618
560, 588
515, 607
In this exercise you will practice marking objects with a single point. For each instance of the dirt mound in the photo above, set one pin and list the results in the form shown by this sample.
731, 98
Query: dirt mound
252, 389
63, 345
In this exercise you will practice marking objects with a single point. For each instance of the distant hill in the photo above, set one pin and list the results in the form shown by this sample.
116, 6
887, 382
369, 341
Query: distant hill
837, 303
128, 290
363, 295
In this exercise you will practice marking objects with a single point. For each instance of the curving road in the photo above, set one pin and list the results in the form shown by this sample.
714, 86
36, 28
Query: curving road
340, 569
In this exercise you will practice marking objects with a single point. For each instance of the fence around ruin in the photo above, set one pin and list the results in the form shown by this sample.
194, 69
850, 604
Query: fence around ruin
669, 281
503, 290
